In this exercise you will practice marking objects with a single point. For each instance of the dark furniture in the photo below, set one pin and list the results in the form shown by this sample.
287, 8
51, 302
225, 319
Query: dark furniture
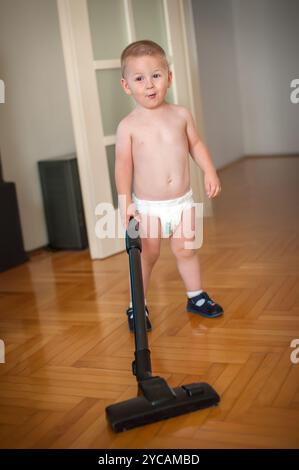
63, 203
12, 251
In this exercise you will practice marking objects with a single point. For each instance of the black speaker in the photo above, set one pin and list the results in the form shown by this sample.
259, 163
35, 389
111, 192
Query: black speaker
63, 203
12, 251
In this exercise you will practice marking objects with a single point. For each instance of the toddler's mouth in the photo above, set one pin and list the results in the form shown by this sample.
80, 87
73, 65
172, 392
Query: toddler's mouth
152, 96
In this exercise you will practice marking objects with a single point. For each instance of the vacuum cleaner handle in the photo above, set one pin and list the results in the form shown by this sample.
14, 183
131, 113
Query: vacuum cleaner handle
142, 363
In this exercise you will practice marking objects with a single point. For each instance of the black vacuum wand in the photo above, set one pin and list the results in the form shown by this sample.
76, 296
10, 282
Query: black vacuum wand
156, 400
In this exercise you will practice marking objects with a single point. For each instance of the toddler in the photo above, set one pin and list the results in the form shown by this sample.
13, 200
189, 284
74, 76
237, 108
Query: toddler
152, 157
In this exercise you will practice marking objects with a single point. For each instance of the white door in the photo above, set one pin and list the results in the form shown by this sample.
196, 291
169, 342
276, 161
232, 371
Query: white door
94, 32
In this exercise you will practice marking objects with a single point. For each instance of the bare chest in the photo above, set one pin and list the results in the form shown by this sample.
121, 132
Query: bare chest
160, 134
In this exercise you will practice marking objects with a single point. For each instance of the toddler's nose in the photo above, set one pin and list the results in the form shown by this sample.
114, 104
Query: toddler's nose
149, 83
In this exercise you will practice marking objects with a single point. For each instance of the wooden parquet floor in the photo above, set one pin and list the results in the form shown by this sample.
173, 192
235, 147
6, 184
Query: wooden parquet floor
69, 352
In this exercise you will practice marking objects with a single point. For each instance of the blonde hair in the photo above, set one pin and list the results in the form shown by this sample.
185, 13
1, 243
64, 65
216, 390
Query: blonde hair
141, 48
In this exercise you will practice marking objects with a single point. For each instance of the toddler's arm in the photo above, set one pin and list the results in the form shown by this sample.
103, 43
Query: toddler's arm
124, 171
201, 156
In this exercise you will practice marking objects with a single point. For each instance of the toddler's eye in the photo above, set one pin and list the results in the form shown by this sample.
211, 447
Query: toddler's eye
157, 75
138, 79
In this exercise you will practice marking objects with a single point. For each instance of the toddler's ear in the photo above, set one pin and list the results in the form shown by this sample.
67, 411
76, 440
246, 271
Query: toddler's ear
169, 78
125, 86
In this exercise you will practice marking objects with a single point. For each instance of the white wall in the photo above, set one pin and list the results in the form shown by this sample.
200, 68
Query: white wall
248, 56
35, 121
213, 21
267, 39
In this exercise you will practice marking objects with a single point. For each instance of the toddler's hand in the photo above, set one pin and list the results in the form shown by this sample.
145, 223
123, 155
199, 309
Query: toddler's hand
132, 212
212, 184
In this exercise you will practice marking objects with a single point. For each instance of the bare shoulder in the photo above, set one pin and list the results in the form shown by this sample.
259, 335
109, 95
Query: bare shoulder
126, 125
123, 125
181, 111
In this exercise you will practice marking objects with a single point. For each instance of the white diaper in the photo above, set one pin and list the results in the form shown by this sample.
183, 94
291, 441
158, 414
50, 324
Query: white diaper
169, 211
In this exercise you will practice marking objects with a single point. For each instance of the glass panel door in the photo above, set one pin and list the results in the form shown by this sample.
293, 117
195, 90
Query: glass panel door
149, 21
107, 28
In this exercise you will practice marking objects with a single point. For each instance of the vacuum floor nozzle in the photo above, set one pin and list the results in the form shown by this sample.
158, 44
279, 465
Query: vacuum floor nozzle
140, 411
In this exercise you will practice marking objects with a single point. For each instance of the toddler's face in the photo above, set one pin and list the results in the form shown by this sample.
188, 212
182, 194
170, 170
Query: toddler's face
147, 79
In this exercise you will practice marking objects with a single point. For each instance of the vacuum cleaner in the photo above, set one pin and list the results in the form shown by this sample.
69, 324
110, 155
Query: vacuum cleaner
155, 400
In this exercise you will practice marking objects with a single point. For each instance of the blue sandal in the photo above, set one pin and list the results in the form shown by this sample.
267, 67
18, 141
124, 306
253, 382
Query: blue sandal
203, 305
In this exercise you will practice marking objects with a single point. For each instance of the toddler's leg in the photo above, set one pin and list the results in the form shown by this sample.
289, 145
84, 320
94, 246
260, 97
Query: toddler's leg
186, 258
188, 265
